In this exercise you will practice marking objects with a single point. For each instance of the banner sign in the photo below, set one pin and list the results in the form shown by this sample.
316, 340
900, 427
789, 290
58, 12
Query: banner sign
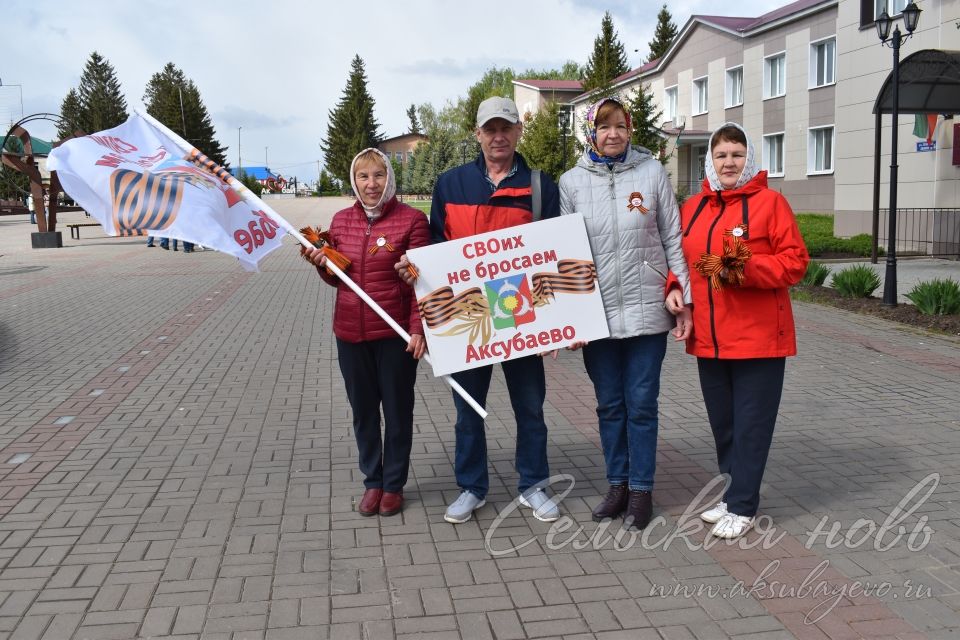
508, 294
134, 181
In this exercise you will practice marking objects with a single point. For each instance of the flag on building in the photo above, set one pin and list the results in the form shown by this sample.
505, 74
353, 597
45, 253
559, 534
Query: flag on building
925, 125
134, 180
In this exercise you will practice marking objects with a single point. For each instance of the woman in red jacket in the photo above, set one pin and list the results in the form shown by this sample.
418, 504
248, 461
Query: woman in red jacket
378, 367
744, 250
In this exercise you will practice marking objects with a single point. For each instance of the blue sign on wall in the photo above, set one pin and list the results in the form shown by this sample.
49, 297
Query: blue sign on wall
926, 146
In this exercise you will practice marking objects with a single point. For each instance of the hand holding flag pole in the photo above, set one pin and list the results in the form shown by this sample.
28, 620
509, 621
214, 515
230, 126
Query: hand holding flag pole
193, 154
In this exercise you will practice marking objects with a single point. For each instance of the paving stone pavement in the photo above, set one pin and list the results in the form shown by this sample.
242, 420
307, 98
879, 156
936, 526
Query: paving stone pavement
177, 461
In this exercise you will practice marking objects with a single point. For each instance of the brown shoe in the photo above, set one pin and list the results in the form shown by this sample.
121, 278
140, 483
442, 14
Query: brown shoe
370, 502
613, 505
391, 503
639, 510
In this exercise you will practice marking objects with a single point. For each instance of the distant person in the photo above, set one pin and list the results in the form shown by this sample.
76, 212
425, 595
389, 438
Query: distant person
495, 192
379, 369
744, 249
30, 208
633, 226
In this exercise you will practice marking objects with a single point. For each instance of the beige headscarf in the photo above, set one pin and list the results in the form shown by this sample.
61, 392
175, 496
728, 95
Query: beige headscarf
389, 191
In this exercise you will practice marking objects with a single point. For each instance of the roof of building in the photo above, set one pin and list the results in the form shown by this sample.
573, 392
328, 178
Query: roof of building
556, 85
419, 136
40, 147
743, 24
258, 173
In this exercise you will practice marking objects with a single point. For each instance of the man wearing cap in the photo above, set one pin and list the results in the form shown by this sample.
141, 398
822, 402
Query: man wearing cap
495, 192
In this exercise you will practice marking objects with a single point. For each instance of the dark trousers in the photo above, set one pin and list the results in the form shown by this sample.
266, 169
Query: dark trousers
375, 373
526, 384
742, 398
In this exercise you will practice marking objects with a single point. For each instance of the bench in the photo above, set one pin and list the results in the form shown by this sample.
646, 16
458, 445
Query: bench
75, 228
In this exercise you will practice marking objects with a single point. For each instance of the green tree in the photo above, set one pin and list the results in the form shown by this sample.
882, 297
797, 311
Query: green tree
351, 127
646, 118
327, 185
13, 184
97, 103
543, 145
174, 100
569, 71
608, 60
250, 182
414, 122
69, 115
663, 36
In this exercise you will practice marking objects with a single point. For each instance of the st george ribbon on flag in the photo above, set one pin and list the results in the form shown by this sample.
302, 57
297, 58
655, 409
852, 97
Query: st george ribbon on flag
142, 179
136, 181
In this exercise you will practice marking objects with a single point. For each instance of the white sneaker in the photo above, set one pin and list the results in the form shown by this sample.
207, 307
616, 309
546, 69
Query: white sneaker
732, 526
544, 508
714, 514
461, 509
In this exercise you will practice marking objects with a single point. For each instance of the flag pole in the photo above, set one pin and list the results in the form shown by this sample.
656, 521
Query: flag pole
194, 154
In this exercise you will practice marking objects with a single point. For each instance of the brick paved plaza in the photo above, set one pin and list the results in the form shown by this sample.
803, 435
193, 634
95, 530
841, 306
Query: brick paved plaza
177, 462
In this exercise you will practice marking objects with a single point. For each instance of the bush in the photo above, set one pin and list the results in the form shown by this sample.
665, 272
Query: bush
936, 297
817, 232
858, 281
816, 274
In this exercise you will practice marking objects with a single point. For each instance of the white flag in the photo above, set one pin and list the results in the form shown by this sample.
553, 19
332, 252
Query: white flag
135, 182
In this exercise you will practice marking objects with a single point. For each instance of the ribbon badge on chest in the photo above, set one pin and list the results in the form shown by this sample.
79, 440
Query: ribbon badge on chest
739, 231
381, 242
635, 202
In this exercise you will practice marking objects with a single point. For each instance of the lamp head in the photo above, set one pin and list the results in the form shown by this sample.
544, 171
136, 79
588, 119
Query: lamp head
883, 26
911, 16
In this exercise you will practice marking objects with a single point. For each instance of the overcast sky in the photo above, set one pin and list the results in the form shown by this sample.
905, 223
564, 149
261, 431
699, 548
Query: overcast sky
275, 69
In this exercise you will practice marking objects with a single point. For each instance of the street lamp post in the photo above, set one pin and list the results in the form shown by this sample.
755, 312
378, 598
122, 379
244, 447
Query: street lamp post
563, 120
911, 16
239, 157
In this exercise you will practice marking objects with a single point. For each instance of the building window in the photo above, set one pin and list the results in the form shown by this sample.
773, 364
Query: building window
774, 76
773, 154
820, 150
823, 62
670, 104
733, 94
892, 7
699, 96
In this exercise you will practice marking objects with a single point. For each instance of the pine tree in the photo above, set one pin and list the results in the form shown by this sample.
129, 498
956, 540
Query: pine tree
414, 122
351, 127
175, 100
542, 144
645, 118
663, 36
70, 115
102, 105
608, 60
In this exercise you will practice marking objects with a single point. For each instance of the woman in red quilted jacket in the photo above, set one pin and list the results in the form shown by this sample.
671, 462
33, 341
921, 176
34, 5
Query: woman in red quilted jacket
744, 249
378, 367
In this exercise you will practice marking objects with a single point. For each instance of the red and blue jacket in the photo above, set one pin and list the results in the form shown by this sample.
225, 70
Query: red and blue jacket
465, 203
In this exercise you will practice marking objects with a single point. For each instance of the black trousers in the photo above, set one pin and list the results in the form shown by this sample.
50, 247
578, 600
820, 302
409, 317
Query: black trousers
375, 373
742, 398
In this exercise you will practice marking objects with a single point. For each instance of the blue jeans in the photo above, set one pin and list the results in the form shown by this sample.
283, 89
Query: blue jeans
527, 387
626, 378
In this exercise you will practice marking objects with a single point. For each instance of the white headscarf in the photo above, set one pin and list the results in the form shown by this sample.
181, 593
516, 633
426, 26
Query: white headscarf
750, 168
388, 192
